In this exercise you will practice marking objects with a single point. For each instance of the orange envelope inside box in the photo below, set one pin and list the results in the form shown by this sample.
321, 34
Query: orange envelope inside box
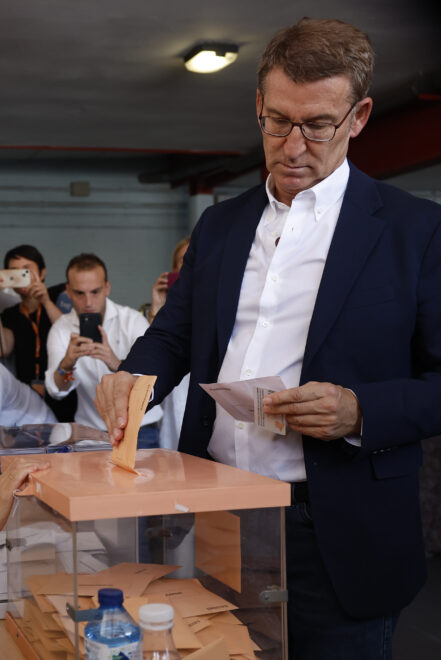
217, 650
189, 597
124, 454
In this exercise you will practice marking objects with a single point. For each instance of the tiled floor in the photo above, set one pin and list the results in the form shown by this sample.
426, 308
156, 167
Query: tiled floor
418, 635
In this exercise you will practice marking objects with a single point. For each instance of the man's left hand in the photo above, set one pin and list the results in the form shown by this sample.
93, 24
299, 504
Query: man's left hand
104, 352
320, 410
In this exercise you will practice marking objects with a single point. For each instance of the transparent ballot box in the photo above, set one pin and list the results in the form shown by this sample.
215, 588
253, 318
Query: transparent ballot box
207, 538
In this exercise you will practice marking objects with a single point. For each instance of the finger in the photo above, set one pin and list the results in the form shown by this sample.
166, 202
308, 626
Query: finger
103, 334
308, 392
33, 289
83, 340
292, 395
99, 353
111, 401
311, 421
81, 351
320, 433
320, 406
16, 474
123, 387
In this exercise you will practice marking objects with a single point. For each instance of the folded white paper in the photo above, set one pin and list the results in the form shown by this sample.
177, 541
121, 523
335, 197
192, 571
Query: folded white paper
243, 400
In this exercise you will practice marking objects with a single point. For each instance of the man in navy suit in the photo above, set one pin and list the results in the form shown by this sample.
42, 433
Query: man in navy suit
332, 281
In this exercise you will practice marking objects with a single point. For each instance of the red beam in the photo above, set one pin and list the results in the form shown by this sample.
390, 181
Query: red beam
128, 150
406, 139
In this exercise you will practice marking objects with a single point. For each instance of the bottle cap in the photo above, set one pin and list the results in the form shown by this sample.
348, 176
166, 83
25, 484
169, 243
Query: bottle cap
110, 597
156, 616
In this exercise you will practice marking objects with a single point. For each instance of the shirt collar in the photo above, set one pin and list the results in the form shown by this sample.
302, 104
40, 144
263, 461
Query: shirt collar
323, 195
109, 313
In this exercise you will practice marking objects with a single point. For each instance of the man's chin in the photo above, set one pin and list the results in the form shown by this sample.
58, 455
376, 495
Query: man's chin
289, 187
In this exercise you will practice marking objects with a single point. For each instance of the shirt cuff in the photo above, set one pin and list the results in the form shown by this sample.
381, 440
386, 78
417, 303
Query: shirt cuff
152, 395
354, 440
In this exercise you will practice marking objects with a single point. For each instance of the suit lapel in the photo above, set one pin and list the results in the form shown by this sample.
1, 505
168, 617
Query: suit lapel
356, 233
244, 223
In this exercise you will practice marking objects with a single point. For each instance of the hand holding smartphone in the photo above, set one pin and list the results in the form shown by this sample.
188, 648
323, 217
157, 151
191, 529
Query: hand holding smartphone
89, 323
15, 278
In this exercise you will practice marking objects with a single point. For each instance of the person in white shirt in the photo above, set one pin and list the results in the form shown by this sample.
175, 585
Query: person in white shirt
76, 362
19, 404
332, 281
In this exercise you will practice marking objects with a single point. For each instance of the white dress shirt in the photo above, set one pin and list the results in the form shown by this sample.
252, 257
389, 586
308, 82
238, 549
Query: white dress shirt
174, 407
19, 404
123, 325
276, 303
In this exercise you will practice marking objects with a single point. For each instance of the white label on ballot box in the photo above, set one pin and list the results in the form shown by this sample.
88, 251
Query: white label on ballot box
97, 651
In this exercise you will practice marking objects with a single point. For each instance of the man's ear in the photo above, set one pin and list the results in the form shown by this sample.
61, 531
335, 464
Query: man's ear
42, 274
361, 116
68, 290
107, 288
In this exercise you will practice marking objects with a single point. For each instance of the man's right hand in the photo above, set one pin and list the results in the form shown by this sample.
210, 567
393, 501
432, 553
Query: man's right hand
78, 347
112, 402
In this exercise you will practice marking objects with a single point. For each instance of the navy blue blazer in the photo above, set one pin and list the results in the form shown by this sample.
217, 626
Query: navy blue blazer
376, 328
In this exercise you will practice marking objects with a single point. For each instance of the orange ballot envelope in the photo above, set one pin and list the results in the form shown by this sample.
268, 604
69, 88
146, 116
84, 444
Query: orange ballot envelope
216, 650
124, 455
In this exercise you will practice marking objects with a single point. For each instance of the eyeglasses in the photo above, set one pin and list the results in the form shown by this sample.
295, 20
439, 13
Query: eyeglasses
316, 131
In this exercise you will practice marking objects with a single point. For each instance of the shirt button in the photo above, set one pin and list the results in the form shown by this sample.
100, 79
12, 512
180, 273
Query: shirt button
240, 425
275, 278
265, 324
248, 372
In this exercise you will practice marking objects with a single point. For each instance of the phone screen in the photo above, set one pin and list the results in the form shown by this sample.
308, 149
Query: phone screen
89, 326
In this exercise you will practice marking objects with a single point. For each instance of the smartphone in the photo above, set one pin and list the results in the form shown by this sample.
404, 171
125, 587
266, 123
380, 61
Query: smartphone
171, 278
89, 326
15, 278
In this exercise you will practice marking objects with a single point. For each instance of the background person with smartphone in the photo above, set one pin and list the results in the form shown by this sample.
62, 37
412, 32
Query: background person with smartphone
165, 280
26, 325
77, 361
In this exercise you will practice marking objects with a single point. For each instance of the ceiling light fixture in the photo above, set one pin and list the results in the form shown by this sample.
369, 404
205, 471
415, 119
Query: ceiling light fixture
210, 57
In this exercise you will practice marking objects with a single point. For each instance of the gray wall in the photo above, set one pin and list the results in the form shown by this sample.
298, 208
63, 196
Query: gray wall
132, 227
423, 183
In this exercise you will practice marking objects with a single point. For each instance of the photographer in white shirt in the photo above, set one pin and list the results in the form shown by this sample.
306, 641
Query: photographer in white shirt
76, 362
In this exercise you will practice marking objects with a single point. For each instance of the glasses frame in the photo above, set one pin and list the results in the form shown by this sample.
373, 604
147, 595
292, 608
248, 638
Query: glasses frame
302, 124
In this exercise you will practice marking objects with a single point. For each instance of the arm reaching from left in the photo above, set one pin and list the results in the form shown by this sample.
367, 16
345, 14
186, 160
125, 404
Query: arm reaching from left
11, 479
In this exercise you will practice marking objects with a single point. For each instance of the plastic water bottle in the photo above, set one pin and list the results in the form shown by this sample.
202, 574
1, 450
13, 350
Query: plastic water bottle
113, 635
156, 621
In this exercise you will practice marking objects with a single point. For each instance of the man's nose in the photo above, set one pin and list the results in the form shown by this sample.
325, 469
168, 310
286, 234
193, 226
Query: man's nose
295, 143
88, 299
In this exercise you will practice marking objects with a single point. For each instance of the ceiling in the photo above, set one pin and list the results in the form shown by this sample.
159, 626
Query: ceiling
105, 78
